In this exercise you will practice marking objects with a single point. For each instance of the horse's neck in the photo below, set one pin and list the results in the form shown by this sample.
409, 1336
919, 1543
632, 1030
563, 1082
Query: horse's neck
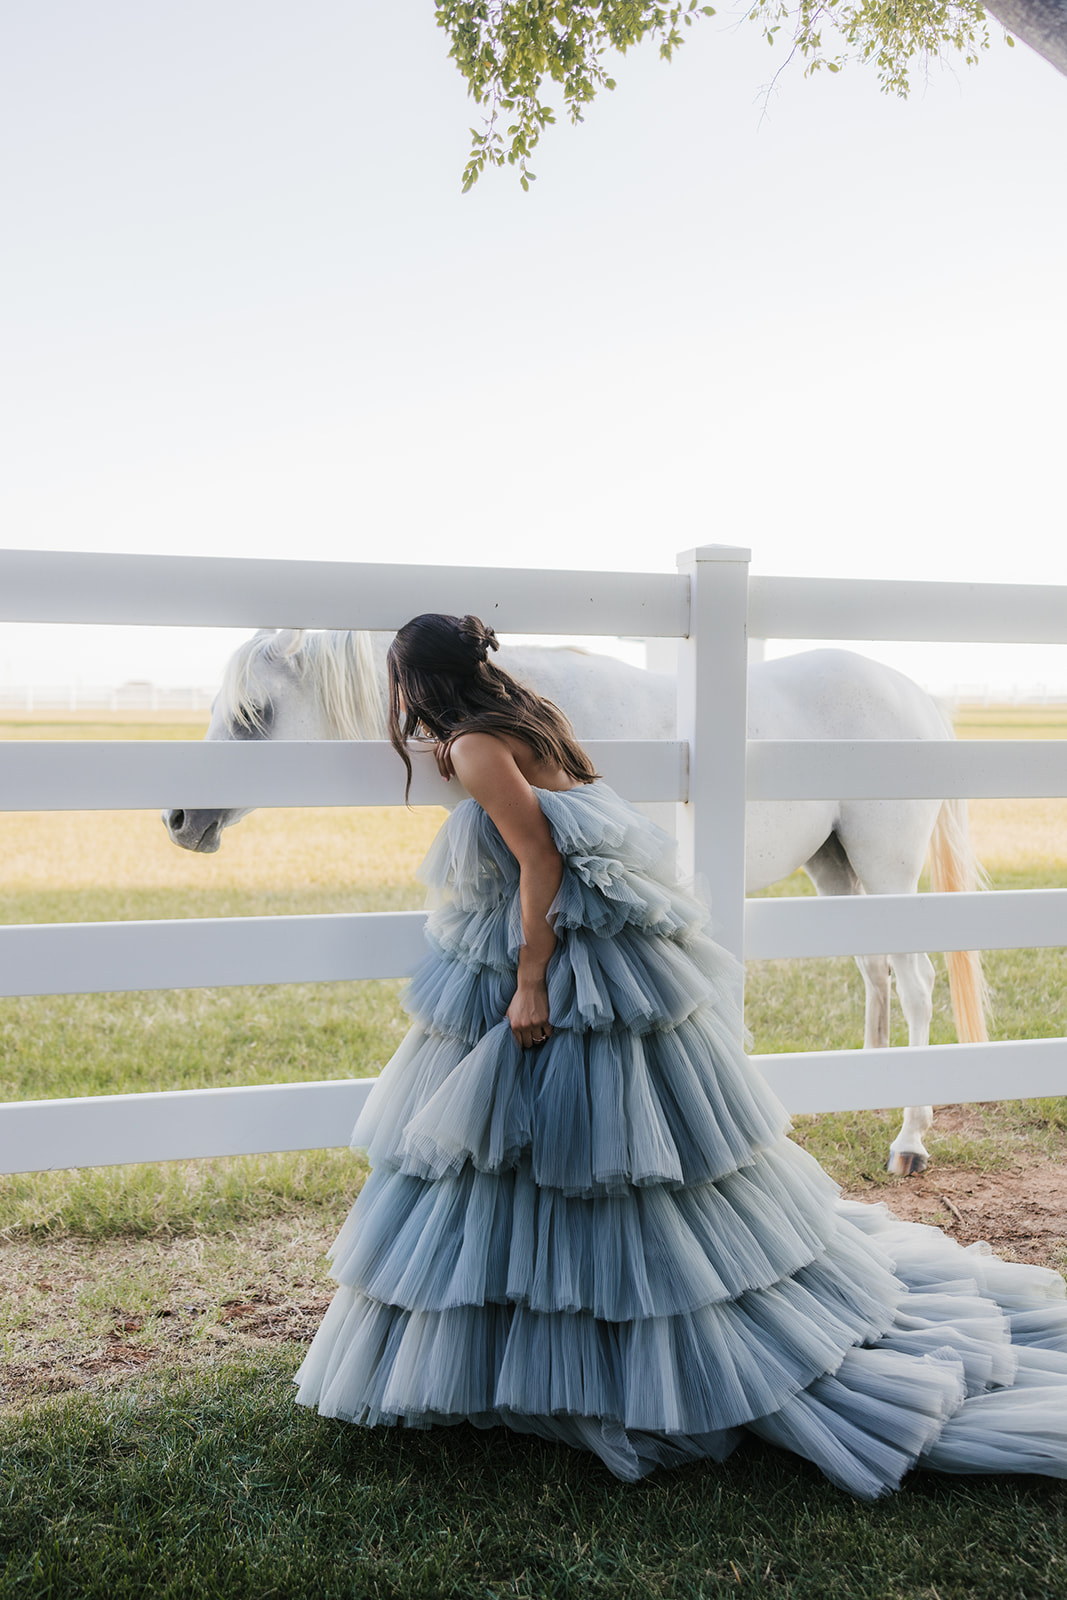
348, 674
379, 647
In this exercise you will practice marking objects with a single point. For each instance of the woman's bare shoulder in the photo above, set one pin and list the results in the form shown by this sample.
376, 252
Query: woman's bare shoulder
478, 758
503, 755
492, 746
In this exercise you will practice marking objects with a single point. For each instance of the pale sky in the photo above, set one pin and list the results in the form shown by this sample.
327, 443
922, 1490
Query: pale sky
248, 311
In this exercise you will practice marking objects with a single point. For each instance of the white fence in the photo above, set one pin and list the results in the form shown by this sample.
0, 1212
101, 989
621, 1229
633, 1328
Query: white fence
709, 605
56, 698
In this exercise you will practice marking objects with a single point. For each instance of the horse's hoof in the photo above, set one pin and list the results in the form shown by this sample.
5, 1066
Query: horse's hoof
905, 1163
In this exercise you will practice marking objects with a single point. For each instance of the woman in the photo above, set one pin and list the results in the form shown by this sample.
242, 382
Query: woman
584, 1219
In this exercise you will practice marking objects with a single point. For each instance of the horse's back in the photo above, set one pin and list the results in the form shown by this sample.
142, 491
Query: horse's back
837, 694
815, 694
604, 698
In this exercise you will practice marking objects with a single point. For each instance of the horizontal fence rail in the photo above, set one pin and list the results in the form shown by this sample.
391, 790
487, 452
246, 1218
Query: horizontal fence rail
98, 775
178, 1125
892, 924
932, 1074
106, 957
214, 591
105, 1130
226, 952
905, 769
208, 952
160, 774
193, 591
880, 608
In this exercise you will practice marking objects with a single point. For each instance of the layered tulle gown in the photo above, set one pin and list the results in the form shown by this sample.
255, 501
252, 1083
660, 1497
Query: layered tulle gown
609, 1240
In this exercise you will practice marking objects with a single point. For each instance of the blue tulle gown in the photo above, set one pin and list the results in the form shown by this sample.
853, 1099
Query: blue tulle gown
610, 1242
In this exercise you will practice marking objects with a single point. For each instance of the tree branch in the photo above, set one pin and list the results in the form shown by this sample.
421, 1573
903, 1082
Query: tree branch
1042, 24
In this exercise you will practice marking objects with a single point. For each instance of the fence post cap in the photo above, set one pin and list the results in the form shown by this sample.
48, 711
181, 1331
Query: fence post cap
714, 552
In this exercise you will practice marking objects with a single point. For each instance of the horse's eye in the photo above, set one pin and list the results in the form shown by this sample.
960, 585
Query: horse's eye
255, 724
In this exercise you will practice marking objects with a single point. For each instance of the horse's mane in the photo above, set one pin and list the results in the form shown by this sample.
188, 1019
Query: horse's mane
339, 664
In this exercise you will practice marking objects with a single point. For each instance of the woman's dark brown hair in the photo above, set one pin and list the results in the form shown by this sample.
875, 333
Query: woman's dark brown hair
442, 684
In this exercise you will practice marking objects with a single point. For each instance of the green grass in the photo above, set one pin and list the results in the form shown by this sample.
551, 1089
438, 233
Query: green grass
55, 1045
161, 903
818, 1005
163, 1307
69, 1045
72, 1045
216, 1485
162, 1199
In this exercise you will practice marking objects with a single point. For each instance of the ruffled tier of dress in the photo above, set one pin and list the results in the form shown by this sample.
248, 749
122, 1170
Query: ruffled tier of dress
608, 1241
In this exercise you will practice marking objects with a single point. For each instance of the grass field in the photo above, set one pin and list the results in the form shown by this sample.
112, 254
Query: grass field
152, 1315
90, 866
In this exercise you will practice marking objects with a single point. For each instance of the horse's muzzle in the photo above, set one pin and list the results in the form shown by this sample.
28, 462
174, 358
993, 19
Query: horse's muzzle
195, 830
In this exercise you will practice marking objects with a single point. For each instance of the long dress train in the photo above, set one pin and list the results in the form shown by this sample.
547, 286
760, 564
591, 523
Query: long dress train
610, 1241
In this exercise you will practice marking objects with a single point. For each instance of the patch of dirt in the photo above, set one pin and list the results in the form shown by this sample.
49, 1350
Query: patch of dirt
60, 1339
296, 1322
55, 1365
1020, 1210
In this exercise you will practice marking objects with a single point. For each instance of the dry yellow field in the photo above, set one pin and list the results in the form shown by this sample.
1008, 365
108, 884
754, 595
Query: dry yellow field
371, 848
1017, 835
283, 850
1020, 835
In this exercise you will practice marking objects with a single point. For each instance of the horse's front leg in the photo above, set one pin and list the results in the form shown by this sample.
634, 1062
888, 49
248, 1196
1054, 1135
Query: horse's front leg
914, 975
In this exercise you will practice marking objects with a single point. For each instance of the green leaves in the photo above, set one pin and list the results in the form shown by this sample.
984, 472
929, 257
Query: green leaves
511, 51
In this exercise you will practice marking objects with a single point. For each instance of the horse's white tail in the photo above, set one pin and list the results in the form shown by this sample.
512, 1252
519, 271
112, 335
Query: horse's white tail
954, 867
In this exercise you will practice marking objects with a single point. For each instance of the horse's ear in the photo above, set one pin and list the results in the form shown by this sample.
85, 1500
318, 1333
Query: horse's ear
286, 642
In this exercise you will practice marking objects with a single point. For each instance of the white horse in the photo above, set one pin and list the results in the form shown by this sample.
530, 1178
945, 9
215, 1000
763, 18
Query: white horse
291, 684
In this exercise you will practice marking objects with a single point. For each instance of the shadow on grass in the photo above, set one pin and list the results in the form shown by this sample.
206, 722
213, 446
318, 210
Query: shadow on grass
219, 1485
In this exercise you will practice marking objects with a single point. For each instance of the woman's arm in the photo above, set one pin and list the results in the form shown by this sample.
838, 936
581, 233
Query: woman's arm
488, 771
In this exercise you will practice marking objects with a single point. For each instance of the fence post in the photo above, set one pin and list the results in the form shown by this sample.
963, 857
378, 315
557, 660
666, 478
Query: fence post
713, 717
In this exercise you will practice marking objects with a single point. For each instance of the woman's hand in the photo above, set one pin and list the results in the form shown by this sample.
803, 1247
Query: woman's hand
528, 1015
442, 751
